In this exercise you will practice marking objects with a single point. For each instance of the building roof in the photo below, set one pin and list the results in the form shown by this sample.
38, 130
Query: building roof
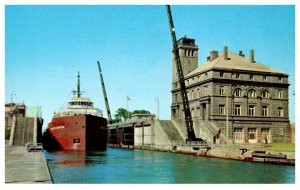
234, 62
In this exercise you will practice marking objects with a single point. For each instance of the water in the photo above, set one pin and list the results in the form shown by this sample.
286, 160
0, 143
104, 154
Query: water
115, 166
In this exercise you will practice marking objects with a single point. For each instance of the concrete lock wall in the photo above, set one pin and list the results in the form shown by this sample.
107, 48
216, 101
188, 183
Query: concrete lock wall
143, 135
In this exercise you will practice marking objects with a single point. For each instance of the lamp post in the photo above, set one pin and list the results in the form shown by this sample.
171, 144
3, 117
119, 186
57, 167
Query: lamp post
157, 100
13, 93
11, 99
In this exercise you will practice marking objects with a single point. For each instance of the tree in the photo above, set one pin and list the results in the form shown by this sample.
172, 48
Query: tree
122, 114
141, 112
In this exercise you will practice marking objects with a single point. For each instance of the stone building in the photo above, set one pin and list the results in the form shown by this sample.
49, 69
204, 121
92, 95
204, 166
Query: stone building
232, 98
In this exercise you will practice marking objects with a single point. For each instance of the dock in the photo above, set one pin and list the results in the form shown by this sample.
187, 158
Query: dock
25, 167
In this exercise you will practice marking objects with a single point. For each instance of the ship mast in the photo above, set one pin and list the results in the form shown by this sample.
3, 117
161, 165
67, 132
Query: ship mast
78, 86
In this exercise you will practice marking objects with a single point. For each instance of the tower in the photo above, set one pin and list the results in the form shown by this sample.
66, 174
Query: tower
188, 53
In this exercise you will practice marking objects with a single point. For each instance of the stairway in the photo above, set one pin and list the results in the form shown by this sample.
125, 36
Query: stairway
209, 132
170, 130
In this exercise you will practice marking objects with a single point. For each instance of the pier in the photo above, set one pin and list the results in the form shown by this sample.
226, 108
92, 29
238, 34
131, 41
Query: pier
25, 167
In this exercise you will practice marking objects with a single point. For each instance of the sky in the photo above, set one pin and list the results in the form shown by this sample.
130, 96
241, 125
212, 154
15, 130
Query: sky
45, 47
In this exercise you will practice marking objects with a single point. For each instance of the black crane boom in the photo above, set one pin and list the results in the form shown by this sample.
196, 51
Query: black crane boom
186, 107
104, 94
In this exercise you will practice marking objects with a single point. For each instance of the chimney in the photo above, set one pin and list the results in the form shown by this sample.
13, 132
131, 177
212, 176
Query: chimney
225, 52
213, 55
241, 54
252, 56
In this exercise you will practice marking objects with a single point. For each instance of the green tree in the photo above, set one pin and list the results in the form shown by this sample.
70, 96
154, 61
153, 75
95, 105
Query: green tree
141, 112
121, 114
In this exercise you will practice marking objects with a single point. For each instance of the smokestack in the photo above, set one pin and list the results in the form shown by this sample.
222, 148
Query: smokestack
213, 55
252, 56
225, 52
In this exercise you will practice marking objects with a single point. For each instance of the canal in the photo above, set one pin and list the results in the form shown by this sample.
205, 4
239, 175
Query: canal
115, 166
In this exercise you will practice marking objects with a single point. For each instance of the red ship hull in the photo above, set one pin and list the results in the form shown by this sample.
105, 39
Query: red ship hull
77, 132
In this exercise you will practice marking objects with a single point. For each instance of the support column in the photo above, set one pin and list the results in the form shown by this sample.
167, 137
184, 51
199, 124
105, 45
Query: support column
13, 128
245, 133
258, 133
35, 130
143, 135
245, 106
208, 111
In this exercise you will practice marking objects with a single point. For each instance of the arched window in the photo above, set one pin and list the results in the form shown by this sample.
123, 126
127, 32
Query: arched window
238, 92
251, 93
265, 94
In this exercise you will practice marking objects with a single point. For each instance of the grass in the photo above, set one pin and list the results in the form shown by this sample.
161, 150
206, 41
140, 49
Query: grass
281, 147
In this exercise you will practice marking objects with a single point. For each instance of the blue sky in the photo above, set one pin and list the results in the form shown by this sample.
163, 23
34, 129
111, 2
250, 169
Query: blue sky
45, 46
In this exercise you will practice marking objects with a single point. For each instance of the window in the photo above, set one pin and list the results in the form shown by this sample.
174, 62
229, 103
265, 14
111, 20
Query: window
175, 98
237, 76
76, 141
280, 94
222, 74
193, 112
237, 109
264, 77
265, 134
251, 77
222, 109
265, 111
205, 91
279, 79
194, 94
238, 92
265, 94
280, 112
222, 90
238, 133
205, 75
252, 93
251, 133
251, 110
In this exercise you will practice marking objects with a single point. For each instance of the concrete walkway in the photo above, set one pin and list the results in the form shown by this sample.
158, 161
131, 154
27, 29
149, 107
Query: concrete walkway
25, 167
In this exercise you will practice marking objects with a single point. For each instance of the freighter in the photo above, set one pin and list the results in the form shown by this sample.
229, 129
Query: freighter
79, 126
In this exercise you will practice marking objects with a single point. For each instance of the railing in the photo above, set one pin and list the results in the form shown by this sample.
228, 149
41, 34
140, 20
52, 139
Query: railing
191, 143
34, 147
205, 144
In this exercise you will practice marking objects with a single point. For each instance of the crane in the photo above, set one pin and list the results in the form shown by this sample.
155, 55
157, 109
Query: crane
186, 108
104, 94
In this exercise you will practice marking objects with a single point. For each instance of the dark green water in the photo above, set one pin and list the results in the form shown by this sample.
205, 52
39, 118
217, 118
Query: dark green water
146, 167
